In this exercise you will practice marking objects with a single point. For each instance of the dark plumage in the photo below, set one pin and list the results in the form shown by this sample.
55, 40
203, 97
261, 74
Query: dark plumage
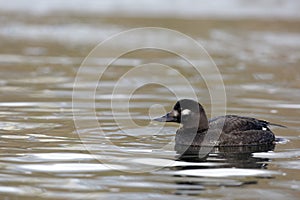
229, 130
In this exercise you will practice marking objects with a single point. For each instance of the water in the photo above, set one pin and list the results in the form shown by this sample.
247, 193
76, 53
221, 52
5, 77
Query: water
45, 155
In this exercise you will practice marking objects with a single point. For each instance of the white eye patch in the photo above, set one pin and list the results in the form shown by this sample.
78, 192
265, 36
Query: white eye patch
186, 112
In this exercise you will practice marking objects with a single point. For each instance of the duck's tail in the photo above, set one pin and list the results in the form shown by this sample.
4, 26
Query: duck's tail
278, 125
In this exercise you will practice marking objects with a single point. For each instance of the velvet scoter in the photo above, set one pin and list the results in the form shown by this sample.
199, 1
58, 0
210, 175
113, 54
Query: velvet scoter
228, 130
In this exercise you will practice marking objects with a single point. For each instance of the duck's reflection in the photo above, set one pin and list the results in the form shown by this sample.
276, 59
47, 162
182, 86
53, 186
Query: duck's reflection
232, 156
219, 157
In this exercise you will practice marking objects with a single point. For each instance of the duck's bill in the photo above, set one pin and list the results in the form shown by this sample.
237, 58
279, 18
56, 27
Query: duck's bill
169, 117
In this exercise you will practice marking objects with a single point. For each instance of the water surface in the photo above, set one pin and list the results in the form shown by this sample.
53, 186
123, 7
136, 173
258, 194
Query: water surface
41, 154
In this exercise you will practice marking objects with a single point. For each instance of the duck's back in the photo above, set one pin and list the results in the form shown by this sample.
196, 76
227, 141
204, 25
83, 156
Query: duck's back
238, 130
232, 123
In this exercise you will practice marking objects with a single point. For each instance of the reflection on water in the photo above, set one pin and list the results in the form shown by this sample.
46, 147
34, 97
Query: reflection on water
43, 44
238, 157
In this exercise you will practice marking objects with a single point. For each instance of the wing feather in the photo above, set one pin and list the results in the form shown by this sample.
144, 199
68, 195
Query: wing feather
234, 123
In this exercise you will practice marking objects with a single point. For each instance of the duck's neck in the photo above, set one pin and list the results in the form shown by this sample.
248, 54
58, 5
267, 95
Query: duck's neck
203, 123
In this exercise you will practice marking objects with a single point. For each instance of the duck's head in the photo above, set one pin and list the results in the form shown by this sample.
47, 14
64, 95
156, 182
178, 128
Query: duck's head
187, 112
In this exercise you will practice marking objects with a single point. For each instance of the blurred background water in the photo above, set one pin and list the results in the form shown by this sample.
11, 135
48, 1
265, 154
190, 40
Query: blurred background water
255, 44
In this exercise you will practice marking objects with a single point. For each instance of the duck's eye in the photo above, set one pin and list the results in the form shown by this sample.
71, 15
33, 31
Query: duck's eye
186, 112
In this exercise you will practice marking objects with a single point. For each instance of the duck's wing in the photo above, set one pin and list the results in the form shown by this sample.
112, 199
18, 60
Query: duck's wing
233, 123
